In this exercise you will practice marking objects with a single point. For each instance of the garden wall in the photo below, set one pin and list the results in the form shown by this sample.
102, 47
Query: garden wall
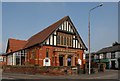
38, 70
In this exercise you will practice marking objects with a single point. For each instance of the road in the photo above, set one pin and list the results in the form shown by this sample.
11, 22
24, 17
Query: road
108, 74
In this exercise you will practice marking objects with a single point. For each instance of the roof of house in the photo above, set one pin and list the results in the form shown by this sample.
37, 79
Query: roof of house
3, 54
38, 38
15, 44
44, 34
113, 48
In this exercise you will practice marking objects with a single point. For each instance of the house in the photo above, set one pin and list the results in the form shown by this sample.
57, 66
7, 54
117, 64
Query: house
92, 57
109, 55
57, 45
2, 59
15, 51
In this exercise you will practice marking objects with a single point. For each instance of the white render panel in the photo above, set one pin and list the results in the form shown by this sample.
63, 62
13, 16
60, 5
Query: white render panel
73, 43
117, 54
101, 56
62, 27
55, 32
55, 40
72, 30
47, 42
76, 44
51, 40
20, 58
14, 59
67, 26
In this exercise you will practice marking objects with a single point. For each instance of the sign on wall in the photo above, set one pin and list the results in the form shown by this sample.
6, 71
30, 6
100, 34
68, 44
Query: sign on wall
79, 61
46, 62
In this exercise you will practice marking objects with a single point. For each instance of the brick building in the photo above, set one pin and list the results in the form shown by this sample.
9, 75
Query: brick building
2, 59
57, 45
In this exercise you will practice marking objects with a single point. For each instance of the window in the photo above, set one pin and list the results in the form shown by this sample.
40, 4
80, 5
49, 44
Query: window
1, 58
64, 40
67, 41
95, 56
17, 60
47, 52
113, 55
58, 39
61, 40
4, 59
104, 55
33, 54
70, 41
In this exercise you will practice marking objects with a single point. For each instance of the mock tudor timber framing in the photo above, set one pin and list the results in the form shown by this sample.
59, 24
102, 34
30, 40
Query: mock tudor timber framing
66, 28
60, 38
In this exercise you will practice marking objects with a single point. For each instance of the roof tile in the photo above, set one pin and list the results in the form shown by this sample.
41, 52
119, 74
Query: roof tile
15, 44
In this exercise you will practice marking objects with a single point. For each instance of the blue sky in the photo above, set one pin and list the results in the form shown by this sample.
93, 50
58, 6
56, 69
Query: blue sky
60, 0
22, 20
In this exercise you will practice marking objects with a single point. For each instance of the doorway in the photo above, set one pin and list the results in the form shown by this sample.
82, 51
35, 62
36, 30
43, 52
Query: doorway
61, 60
69, 60
112, 64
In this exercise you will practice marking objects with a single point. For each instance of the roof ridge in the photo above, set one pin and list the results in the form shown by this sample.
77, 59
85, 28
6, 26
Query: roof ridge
53, 26
48, 26
16, 39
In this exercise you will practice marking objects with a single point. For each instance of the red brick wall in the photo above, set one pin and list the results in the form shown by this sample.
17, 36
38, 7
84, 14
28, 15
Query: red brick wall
41, 54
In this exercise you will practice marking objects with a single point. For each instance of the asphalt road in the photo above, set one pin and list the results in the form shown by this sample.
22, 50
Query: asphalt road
108, 74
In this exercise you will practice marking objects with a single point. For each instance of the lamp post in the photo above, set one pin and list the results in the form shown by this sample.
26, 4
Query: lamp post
89, 35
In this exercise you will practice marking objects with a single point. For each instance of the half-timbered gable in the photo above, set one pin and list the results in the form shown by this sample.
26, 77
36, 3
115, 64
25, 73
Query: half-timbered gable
65, 35
57, 45
61, 33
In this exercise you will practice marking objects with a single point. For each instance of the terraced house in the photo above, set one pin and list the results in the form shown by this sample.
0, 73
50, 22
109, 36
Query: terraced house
57, 45
109, 55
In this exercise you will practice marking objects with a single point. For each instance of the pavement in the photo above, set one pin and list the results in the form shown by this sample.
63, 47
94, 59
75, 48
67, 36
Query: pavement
108, 74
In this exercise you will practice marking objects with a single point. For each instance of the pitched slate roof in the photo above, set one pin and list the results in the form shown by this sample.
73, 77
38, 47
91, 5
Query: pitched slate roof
113, 48
15, 44
44, 34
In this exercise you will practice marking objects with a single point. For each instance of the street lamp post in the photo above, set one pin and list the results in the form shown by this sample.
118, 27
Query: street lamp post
89, 35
